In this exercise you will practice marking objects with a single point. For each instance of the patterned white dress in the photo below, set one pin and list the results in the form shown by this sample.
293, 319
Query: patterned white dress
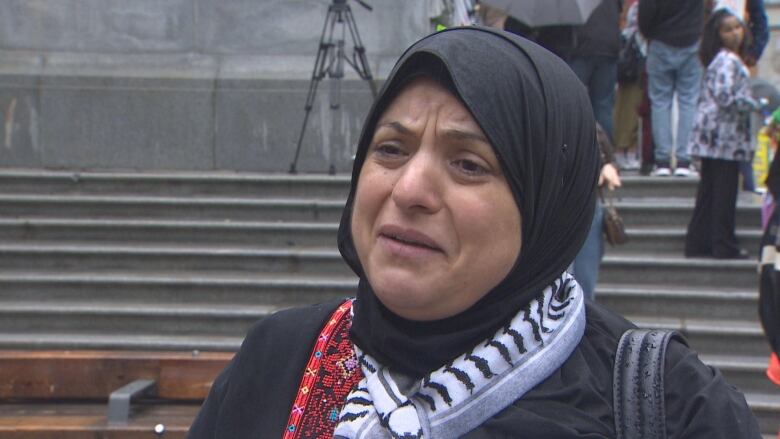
722, 125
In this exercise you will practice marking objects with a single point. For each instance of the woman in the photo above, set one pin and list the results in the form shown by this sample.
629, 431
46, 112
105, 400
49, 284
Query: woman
472, 191
720, 138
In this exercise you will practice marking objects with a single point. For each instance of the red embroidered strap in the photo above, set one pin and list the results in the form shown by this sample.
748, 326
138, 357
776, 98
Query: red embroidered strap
312, 371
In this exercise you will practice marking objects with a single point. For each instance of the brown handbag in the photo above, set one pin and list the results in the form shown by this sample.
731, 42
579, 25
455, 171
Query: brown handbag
614, 229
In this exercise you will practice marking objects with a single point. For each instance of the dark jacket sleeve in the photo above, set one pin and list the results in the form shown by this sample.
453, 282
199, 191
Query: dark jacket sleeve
253, 396
205, 423
773, 178
759, 29
699, 402
605, 146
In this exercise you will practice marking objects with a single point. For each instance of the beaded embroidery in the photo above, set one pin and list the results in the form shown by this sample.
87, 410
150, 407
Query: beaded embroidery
331, 373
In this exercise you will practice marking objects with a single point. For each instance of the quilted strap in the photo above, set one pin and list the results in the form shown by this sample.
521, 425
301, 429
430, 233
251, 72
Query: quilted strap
638, 383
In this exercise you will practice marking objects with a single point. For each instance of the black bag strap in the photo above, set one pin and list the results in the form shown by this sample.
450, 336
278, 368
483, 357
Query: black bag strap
638, 383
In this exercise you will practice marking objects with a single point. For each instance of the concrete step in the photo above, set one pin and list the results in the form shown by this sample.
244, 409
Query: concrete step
659, 301
36, 181
766, 407
671, 240
662, 271
141, 259
185, 208
678, 271
710, 337
636, 213
655, 240
748, 374
637, 186
199, 184
676, 212
714, 337
131, 341
173, 287
200, 232
186, 319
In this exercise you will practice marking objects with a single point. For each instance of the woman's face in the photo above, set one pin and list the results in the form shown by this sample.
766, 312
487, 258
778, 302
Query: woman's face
731, 33
434, 222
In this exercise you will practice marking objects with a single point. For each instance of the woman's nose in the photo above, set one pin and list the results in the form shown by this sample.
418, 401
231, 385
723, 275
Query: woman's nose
419, 184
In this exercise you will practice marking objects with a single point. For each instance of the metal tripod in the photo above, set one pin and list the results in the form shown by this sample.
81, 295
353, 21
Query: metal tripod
330, 61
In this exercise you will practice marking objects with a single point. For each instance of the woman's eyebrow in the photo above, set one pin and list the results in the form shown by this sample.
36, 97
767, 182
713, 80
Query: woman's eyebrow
449, 132
464, 135
395, 125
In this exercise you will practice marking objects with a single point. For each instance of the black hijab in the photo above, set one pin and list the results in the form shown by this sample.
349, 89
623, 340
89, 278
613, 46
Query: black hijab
538, 118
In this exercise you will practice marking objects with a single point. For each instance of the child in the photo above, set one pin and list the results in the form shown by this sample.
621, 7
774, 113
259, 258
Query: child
720, 137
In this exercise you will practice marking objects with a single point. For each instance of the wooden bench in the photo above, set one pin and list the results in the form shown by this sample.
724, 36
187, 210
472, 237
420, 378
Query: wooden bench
103, 394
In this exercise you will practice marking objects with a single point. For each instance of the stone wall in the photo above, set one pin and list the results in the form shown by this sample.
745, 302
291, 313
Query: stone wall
193, 84
184, 84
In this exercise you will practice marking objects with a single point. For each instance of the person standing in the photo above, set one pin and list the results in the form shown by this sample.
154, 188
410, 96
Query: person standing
630, 91
673, 28
756, 24
769, 281
720, 137
594, 59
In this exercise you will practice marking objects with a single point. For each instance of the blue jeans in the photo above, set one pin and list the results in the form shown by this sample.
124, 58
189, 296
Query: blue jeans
672, 69
599, 74
748, 179
585, 267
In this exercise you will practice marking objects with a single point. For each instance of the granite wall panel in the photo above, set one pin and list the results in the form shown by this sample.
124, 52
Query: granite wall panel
107, 26
129, 127
19, 131
258, 124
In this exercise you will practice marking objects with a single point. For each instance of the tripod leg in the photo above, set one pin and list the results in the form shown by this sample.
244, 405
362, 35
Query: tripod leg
337, 72
320, 68
361, 62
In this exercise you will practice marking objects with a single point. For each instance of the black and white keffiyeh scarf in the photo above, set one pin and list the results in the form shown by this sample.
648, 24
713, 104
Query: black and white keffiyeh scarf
463, 393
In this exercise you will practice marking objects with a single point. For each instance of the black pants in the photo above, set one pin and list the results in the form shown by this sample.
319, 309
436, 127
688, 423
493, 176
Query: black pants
711, 230
769, 284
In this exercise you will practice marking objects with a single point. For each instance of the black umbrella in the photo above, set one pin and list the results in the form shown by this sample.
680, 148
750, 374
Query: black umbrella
537, 13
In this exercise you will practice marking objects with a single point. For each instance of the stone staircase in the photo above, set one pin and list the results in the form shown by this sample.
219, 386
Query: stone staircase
190, 260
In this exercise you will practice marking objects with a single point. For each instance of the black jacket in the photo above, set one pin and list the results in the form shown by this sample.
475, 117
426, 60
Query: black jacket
677, 23
252, 398
600, 35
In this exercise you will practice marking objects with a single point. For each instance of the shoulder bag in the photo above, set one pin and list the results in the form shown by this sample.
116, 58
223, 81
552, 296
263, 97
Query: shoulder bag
614, 229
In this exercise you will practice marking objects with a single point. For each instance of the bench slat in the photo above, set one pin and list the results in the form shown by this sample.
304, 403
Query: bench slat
88, 421
95, 374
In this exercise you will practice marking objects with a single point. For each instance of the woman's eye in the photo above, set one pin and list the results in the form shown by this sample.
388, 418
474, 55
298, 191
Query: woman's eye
470, 167
388, 150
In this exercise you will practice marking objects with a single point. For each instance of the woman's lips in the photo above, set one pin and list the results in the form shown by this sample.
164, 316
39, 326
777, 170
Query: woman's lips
407, 242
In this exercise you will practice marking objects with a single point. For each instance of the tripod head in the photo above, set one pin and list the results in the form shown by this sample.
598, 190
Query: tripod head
342, 3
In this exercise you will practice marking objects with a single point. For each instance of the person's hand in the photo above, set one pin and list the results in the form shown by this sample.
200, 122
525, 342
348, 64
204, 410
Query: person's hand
609, 175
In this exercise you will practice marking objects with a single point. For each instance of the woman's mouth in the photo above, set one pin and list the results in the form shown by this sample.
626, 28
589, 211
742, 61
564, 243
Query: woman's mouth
407, 242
